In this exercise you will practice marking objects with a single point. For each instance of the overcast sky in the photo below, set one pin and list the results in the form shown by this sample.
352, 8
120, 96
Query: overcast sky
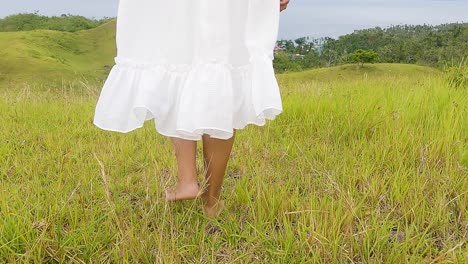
315, 18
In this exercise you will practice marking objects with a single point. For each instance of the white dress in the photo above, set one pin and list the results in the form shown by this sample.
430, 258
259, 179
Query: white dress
195, 66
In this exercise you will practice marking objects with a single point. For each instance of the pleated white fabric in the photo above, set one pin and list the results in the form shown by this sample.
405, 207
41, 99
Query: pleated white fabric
196, 67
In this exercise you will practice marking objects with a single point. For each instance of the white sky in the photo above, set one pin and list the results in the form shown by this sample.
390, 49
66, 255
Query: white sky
302, 17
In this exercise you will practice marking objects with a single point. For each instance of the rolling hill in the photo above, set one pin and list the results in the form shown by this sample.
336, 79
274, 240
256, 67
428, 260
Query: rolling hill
48, 56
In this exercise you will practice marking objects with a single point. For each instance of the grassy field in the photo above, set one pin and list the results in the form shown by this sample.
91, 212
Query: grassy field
363, 166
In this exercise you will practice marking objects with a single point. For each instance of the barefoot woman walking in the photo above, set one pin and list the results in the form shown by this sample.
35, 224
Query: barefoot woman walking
201, 69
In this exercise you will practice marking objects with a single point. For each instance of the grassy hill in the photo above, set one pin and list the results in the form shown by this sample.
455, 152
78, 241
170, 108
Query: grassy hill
364, 165
48, 56
356, 169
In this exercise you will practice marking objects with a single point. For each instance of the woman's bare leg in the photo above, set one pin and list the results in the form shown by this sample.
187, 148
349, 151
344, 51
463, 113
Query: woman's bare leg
187, 186
216, 154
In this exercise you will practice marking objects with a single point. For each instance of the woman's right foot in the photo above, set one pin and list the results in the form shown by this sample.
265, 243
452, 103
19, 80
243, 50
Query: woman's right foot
181, 191
214, 210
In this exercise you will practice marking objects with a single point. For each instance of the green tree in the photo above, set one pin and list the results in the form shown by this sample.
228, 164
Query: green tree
361, 56
283, 63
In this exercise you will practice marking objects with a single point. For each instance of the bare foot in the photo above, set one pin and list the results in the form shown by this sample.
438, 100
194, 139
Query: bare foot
183, 191
215, 210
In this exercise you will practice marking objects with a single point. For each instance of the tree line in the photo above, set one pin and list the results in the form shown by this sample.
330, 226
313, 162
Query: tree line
428, 45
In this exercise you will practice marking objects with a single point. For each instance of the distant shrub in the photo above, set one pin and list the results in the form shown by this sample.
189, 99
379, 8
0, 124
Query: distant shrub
361, 56
456, 74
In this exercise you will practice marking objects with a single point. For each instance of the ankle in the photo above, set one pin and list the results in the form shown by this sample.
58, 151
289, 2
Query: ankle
189, 183
211, 202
